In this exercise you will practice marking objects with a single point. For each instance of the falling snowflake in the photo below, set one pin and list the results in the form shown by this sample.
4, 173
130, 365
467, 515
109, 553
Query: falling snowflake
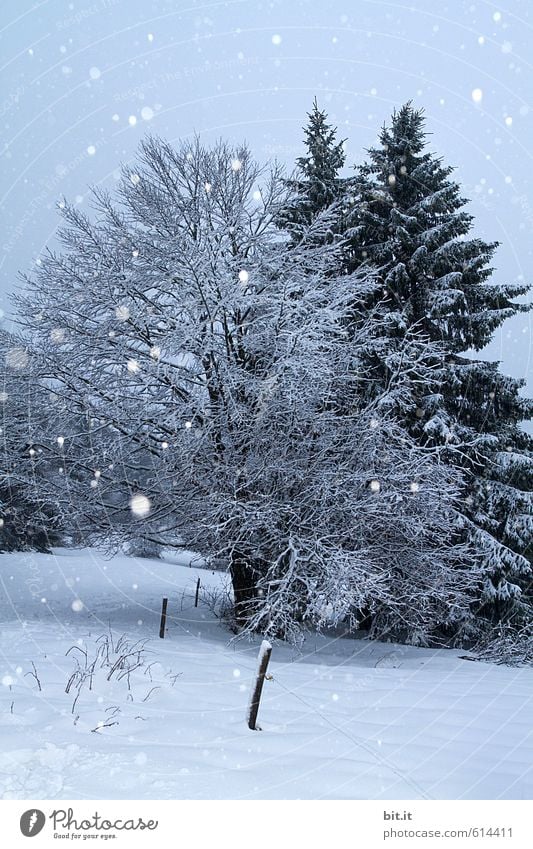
140, 505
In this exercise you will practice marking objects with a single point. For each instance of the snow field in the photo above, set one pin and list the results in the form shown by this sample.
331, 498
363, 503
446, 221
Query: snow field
346, 719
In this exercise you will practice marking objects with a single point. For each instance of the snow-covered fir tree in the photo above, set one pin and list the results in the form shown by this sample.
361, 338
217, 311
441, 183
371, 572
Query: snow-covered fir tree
317, 183
215, 366
393, 370
410, 224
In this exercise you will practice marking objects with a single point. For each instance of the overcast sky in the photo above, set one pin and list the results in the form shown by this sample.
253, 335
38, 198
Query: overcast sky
83, 81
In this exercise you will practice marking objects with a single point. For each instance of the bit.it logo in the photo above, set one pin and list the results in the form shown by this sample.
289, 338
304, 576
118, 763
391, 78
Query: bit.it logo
32, 822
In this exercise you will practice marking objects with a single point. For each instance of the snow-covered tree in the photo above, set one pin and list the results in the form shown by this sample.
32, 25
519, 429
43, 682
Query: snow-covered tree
409, 223
215, 366
316, 184
30, 516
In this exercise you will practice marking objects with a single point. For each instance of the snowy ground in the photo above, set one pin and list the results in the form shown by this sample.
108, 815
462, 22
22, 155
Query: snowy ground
345, 719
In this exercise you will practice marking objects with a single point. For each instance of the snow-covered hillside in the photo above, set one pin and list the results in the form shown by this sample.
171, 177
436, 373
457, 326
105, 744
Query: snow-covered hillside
345, 719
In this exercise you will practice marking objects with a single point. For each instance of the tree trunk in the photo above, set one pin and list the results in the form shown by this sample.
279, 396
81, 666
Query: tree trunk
243, 577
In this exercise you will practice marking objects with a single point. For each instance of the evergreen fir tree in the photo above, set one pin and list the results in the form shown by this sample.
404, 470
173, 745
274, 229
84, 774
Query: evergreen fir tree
410, 224
317, 184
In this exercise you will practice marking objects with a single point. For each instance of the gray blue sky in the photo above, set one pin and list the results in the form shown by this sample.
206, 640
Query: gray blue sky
82, 81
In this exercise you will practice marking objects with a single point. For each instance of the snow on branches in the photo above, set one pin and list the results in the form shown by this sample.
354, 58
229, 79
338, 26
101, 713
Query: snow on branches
217, 371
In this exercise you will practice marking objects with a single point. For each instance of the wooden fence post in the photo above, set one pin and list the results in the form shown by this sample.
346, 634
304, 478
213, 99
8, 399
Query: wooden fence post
255, 696
163, 618
197, 593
